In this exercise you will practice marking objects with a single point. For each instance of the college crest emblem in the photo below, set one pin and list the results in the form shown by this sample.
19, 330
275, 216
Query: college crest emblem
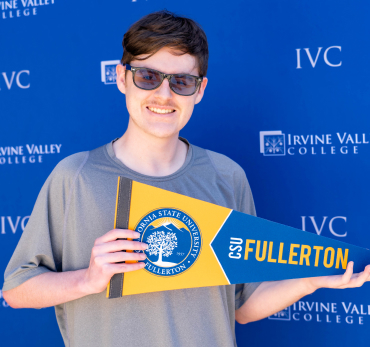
174, 241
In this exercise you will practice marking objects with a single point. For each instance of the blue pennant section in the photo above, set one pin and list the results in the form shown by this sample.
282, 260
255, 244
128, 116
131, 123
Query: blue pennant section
252, 249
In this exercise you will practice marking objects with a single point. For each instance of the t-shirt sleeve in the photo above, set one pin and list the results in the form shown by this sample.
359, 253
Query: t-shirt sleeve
244, 198
39, 249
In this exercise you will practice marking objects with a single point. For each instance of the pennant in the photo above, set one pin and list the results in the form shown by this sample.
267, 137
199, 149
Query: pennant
193, 243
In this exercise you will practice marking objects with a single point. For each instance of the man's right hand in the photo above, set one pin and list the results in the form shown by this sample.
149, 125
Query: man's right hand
107, 256
53, 288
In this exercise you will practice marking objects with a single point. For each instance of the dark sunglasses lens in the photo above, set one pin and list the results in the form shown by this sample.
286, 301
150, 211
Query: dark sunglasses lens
183, 84
147, 78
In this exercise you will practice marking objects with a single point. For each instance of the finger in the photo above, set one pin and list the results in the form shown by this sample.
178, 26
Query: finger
119, 268
120, 245
119, 257
348, 274
357, 280
350, 282
363, 276
360, 280
117, 234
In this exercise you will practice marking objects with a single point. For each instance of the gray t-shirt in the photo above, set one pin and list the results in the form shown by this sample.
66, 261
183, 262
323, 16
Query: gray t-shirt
76, 205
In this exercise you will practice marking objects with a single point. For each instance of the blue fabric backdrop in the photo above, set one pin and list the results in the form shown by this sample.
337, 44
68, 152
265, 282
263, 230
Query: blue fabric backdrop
298, 70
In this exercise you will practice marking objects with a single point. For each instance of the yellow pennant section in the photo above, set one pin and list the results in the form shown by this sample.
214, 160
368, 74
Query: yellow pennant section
206, 271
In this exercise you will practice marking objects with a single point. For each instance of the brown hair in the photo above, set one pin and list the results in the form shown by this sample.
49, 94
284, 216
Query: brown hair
165, 29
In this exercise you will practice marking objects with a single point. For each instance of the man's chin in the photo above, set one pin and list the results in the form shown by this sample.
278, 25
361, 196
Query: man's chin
161, 132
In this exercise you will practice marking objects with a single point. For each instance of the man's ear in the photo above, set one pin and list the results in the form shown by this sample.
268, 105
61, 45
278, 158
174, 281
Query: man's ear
121, 78
200, 92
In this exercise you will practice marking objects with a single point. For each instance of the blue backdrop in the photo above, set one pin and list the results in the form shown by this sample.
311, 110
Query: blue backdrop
288, 99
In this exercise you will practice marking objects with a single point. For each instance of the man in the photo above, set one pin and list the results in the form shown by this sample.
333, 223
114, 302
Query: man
66, 255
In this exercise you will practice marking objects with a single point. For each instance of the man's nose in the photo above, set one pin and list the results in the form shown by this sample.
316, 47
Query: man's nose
164, 90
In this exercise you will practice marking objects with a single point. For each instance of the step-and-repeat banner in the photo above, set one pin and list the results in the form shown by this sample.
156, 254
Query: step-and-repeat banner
288, 99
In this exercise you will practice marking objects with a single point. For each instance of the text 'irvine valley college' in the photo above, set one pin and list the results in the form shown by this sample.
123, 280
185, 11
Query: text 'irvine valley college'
22, 8
276, 143
28, 154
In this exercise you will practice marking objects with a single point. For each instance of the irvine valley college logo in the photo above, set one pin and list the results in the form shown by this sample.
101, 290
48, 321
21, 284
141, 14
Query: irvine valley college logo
275, 143
281, 315
108, 71
174, 241
272, 143
325, 312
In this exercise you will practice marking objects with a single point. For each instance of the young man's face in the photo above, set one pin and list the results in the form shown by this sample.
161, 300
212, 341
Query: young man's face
142, 104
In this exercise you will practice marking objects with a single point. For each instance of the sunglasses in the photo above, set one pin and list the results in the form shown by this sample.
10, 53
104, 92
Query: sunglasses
149, 79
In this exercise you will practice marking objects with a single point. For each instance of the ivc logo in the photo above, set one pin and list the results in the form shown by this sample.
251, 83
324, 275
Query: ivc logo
313, 61
21, 79
10, 225
320, 224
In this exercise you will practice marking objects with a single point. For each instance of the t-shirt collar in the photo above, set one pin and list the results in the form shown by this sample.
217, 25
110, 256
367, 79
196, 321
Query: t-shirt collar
188, 160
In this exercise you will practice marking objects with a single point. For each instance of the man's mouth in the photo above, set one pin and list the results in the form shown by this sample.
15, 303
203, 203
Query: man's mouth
161, 110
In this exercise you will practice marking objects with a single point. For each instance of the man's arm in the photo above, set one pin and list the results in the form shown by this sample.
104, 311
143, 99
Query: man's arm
272, 297
54, 288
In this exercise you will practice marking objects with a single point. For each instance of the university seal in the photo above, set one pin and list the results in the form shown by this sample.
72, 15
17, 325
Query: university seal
174, 241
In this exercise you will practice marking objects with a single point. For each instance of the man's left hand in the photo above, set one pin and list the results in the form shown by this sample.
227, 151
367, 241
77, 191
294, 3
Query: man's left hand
347, 280
271, 297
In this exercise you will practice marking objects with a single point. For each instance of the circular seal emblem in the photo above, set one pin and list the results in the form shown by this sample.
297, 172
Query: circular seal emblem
174, 241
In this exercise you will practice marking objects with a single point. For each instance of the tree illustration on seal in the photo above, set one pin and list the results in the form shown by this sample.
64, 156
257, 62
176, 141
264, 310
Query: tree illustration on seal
162, 244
